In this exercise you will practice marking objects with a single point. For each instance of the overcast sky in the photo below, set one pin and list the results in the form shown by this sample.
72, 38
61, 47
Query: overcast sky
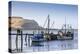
40, 11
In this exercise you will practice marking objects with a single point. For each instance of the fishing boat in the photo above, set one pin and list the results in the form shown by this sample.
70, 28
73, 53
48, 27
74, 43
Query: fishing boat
66, 33
63, 34
49, 36
40, 37
37, 38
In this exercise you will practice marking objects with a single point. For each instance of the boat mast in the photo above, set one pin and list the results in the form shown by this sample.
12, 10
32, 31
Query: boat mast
65, 25
48, 23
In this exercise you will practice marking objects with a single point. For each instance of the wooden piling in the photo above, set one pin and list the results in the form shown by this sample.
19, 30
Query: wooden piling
21, 41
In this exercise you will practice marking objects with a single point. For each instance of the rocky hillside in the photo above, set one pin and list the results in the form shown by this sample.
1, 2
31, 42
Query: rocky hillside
30, 24
25, 24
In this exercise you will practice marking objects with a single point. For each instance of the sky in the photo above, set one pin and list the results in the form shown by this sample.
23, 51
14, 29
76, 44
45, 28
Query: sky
39, 12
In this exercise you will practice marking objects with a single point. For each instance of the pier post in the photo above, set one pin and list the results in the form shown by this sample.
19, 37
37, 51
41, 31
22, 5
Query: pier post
28, 40
21, 41
18, 32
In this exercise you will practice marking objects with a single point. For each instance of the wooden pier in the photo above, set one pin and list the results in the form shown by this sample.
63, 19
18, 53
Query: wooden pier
19, 34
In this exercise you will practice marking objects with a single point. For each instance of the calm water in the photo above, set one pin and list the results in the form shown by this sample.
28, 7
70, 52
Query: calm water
47, 46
